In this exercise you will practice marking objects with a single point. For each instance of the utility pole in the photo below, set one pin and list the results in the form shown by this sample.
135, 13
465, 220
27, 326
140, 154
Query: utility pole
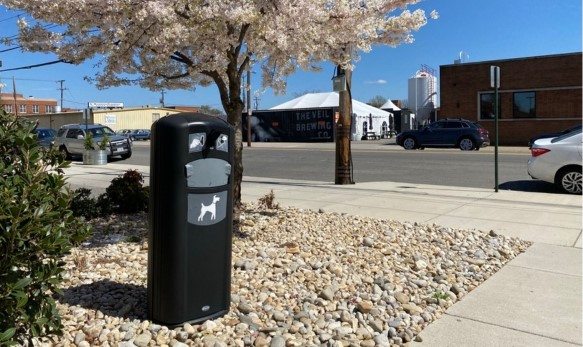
343, 125
249, 108
257, 101
162, 98
61, 89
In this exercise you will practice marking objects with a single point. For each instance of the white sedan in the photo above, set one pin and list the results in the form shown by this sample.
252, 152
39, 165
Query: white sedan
558, 161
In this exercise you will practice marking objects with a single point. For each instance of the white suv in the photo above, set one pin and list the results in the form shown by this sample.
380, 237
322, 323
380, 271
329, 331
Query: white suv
71, 137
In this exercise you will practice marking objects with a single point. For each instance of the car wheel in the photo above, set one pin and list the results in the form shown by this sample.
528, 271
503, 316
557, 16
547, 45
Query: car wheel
65, 153
409, 143
467, 144
569, 180
126, 156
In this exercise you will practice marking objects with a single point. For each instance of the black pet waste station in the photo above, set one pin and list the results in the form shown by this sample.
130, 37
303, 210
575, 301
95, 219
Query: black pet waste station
190, 219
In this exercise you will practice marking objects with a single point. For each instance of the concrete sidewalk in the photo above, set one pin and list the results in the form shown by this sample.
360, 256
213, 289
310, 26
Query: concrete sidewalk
535, 300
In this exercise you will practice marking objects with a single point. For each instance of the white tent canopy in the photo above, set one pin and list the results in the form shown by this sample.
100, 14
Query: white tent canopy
375, 119
390, 105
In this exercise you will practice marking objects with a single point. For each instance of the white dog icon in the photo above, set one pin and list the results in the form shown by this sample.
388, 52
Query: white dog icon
212, 208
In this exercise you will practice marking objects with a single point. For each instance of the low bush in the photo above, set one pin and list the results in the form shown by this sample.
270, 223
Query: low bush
126, 194
37, 228
84, 205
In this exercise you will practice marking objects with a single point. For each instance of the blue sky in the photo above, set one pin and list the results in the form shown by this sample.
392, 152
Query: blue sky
483, 30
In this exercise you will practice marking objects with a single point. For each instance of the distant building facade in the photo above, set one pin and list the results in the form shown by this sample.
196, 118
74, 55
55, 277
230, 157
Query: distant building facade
116, 119
20, 105
184, 108
536, 95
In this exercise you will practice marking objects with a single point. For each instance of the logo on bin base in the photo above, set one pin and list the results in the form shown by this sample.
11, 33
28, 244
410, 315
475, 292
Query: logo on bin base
212, 208
207, 209
205, 308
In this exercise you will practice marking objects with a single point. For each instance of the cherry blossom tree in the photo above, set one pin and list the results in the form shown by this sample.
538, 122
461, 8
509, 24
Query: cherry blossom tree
176, 44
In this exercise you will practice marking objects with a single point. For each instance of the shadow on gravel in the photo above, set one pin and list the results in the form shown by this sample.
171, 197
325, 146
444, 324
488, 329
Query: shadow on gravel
111, 298
533, 186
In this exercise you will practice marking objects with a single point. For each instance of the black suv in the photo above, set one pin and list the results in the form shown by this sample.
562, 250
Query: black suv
446, 133
70, 140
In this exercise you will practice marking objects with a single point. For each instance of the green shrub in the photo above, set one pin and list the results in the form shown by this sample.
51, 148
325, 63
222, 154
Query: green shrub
104, 205
37, 229
88, 142
126, 194
104, 143
83, 205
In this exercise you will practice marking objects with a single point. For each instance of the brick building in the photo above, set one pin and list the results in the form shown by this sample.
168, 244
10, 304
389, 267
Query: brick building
536, 95
27, 106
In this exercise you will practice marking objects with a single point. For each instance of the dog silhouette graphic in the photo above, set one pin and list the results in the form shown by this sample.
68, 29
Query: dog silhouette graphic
212, 208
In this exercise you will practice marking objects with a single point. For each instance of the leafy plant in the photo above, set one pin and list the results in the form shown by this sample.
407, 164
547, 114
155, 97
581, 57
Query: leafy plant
268, 201
440, 295
126, 193
88, 142
84, 205
37, 228
104, 143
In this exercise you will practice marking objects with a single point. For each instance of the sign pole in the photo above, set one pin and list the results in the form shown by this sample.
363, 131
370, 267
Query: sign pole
495, 82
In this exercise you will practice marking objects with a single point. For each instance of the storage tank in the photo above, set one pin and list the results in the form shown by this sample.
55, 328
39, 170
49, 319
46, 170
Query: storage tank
422, 95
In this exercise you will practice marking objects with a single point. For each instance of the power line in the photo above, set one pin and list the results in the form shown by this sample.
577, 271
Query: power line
34, 80
36, 65
9, 18
75, 102
10, 49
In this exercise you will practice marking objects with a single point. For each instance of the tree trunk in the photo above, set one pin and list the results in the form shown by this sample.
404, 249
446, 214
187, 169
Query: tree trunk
234, 118
343, 155
230, 92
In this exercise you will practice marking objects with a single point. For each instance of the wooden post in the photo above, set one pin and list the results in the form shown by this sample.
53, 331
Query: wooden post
343, 155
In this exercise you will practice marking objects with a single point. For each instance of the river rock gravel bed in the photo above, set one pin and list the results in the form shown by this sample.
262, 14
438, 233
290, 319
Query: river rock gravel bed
299, 278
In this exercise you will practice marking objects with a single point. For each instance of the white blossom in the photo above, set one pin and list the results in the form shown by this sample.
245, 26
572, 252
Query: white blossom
136, 38
177, 44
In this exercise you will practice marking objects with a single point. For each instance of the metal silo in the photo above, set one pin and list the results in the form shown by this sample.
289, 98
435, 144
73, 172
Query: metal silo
422, 93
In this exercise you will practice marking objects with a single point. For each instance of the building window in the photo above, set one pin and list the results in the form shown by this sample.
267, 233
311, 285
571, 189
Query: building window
487, 106
8, 108
35, 108
22, 108
49, 109
524, 105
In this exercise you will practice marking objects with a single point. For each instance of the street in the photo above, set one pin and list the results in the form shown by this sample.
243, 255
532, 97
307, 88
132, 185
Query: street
375, 161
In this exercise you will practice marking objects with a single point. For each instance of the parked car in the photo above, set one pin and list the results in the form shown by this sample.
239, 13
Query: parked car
555, 134
139, 134
45, 136
70, 140
124, 132
446, 133
558, 161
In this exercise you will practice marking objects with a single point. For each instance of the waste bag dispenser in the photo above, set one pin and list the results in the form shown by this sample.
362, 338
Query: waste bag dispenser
190, 218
